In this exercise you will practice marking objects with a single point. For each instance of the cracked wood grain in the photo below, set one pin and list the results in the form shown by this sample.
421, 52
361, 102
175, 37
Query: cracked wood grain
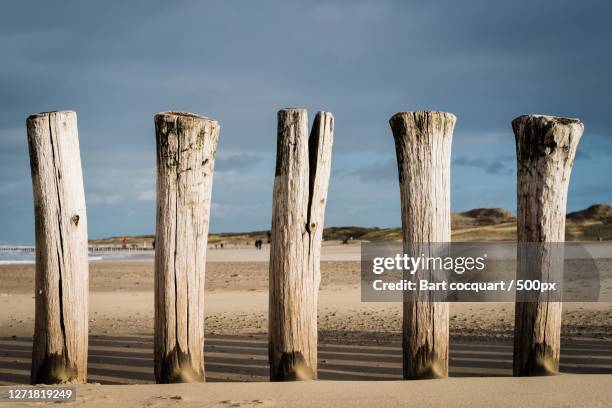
303, 166
186, 148
545, 150
423, 148
59, 354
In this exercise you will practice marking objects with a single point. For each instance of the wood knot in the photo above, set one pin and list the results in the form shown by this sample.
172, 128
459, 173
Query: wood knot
75, 220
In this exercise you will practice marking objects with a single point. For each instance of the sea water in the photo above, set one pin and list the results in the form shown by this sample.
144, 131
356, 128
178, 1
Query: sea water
27, 255
16, 257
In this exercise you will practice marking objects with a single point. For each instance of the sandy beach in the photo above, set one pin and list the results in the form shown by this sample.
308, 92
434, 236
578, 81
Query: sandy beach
357, 341
579, 391
306, 204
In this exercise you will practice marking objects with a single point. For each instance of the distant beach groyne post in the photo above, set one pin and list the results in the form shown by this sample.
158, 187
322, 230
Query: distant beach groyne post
59, 353
545, 149
423, 148
303, 166
186, 148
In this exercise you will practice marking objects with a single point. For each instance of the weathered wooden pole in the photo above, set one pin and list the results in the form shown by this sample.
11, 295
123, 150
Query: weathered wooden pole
186, 148
545, 150
303, 166
423, 147
59, 354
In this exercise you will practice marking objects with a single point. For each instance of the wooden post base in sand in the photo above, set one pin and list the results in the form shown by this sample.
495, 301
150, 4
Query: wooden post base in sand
423, 147
545, 149
59, 354
186, 148
303, 167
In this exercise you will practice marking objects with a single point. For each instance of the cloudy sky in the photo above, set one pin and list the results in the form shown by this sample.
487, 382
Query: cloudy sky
119, 63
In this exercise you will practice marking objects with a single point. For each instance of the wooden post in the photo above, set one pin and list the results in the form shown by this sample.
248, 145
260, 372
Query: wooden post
545, 150
59, 354
423, 147
303, 167
186, 148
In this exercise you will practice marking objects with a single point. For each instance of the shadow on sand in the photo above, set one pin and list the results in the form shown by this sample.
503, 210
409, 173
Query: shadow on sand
128, 359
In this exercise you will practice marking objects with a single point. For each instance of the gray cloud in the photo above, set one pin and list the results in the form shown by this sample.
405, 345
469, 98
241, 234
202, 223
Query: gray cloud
237, 162
499, 165
374, 172
119, 63
582, 154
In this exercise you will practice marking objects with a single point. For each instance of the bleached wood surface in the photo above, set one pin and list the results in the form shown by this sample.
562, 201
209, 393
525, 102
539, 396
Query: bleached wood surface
545, 149
303, 166
186, 148
59, 352
423, 147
